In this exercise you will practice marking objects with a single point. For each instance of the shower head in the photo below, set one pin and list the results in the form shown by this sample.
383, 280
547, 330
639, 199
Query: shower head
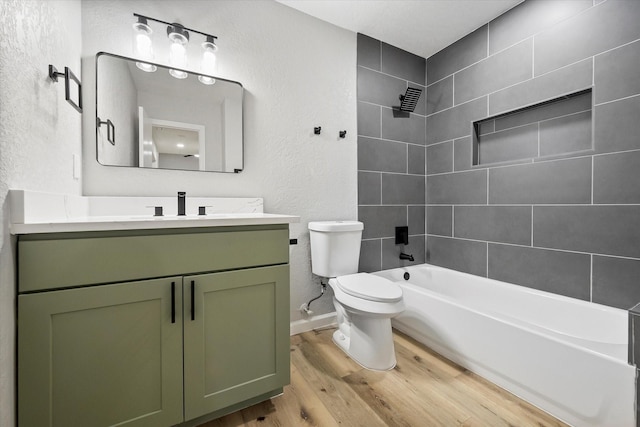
409, 100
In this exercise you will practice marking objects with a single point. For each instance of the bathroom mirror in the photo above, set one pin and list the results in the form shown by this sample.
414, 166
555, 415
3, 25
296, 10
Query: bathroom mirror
154, 120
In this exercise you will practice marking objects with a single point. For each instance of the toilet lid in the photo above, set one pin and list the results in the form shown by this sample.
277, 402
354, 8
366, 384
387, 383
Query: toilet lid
369, 287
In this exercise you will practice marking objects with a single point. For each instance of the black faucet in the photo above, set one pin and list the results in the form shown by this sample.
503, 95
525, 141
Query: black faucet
406, 257
182, 197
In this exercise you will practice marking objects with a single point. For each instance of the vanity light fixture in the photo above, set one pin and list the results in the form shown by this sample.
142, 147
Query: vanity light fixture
209, 64
142, 44
179, 36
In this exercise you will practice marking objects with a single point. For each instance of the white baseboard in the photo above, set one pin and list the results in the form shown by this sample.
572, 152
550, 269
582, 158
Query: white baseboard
313, 322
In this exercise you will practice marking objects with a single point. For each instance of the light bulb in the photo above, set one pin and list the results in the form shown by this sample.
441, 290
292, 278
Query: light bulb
178, 51
143, 46
209, 61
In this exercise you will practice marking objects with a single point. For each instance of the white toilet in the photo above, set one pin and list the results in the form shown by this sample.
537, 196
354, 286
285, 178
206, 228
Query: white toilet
364, 303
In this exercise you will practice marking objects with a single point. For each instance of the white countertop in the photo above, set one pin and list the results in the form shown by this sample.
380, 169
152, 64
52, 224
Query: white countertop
37, 212
110, 223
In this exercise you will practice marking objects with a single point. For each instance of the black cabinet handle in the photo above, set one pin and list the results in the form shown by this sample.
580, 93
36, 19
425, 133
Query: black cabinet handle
193, 300
173, 302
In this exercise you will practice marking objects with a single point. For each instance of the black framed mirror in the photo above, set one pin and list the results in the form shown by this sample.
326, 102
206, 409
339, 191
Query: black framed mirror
150, 119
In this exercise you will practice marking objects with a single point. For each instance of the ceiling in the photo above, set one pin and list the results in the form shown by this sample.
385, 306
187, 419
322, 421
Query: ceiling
422, 27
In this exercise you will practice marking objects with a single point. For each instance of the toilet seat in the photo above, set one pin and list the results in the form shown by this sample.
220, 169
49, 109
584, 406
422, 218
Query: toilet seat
369, 287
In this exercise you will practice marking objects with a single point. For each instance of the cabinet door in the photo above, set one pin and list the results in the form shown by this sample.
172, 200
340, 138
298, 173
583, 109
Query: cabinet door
236, 342
101, 356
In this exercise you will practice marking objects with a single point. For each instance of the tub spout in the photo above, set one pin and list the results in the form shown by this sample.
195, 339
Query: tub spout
406, 257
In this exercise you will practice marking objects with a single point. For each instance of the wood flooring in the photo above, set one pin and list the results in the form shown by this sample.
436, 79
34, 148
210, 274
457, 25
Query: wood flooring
424, 389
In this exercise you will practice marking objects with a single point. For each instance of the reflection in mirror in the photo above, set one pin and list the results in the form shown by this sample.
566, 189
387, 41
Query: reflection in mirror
163, 122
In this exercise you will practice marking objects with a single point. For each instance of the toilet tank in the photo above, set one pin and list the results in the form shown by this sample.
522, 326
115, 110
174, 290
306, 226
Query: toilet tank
335, 247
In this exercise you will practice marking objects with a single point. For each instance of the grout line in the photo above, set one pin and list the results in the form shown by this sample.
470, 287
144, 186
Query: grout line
392, 76
395, 140
456, 106
390, 173
617, 47
533, 57
487, 186
539, 139
388, 108
487, 256
545, 205
488, 37
616, 152
534, 247
616, 100
564, 115
407, 159
453, 220
438, 81
531, 225
591, 279
483, 59
380, 123
453, 156
592, 178
453, 90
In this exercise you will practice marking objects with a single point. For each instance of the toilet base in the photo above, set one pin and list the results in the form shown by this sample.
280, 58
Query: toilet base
369, 342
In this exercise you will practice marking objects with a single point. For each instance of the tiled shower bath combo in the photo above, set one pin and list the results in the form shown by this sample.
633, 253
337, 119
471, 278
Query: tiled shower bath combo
564, 220
531, 150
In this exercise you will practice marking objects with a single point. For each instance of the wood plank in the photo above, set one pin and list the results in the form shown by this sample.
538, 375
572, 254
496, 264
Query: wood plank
345, 404
322, 341
399, 405
444, 366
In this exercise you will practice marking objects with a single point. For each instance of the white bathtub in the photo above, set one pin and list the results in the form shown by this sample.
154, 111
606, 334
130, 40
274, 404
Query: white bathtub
563, 355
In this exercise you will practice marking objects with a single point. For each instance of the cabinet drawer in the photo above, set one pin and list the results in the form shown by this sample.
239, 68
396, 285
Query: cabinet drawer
74, 259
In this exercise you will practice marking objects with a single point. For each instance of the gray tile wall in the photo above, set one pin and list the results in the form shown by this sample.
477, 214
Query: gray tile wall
392, 153
571, 224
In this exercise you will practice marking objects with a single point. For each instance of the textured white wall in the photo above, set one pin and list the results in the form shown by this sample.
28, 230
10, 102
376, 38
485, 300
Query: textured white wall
298, 73
39, 134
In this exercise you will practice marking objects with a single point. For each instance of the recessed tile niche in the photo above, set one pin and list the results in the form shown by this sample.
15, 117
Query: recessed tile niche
558, 127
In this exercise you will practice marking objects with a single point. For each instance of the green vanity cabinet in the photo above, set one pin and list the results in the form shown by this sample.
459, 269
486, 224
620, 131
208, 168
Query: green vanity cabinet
206, 332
